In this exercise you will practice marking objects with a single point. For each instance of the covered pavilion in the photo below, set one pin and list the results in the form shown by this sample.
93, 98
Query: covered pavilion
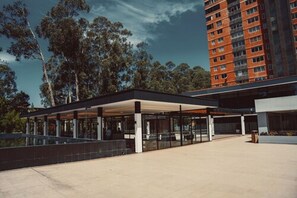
147, 120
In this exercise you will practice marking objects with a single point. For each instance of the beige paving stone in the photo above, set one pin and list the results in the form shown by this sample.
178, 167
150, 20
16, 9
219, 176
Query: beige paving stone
223, 168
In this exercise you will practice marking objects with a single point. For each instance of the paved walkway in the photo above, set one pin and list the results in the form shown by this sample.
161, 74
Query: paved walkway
223, 136
227, 168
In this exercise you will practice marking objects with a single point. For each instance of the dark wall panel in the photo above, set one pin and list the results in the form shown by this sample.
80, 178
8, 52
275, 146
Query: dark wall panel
11, 158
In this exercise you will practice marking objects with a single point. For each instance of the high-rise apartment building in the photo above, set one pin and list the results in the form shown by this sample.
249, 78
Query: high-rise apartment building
250, 40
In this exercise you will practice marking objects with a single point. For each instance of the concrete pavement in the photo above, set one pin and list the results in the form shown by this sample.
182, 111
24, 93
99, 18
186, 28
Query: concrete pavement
224, 168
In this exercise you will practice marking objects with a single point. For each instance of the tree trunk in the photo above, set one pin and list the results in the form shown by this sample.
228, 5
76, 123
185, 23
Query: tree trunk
52, 100
76, 86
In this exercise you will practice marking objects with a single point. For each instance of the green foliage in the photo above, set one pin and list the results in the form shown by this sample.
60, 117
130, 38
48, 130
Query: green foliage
141, 68
14, 25
89, 58
11, 122
200, 78
7, 82
19, 102
99, 55
12, 103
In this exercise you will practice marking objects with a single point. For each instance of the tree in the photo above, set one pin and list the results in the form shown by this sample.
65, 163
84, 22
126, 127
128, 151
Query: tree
11, 122
65, 32
102, 57
160, 78
3, 106
12, 103
200, 78
170, 78
110, 53
141, 66
20, 103
14, 24
182, 78
7, 82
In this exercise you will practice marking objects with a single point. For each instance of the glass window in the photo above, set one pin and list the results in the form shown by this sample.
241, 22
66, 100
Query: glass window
258, 59
239, 53
282, 124
219, 23
247, 2
208, 18
254, 29
255, 39
238, 44
252, 10
199, 129
240, 63
221, 49
259, 69
253, 19
293, 5
223, 67
220, 31
294, 15
220, 40
237, 34
260, 78
209, 27
256, 49
212, 9
224, 75
222, 57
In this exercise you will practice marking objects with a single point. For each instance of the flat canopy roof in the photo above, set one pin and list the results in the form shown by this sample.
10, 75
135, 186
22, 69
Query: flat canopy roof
122, 103
242, 87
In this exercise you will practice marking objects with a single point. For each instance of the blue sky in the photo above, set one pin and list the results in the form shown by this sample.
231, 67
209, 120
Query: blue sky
174, 29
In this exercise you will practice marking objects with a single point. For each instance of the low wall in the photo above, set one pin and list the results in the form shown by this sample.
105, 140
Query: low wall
278, 139
19, 157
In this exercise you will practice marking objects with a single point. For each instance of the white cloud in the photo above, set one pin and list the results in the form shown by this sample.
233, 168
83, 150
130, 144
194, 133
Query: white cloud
5, 57
141, 17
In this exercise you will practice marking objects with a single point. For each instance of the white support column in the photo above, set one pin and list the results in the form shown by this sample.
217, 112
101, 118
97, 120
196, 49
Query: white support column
242, 125
27, 130
35, 130
212, 126
35, 127
99, 123
103, 126
28, 126
138, 128
75, 125
209, 127
262, 123
138, 133
99, 128
45, 130
58, 126
148, 132
45, 126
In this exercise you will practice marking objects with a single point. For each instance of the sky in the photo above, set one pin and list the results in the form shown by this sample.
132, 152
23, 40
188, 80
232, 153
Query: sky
174, 29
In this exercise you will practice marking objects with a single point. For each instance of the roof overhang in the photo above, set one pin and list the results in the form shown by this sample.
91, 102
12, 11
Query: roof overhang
243, 87
122, 103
